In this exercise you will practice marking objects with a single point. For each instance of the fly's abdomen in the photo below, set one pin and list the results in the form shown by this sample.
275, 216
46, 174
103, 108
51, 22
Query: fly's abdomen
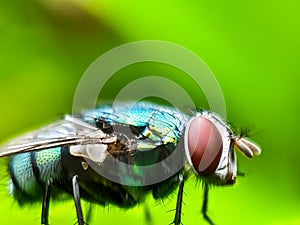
30, 172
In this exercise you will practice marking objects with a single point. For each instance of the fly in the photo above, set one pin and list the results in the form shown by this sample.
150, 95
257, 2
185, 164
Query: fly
106, 156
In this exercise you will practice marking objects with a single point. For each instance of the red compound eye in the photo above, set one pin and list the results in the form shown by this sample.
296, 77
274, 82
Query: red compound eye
204, 143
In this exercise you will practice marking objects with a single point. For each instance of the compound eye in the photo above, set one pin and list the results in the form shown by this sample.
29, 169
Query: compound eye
203, 145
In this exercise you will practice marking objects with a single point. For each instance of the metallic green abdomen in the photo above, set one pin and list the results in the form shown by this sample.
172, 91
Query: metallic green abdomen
30, 172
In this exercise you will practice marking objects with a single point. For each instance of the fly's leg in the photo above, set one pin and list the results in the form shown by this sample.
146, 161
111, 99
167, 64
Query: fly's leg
76, 197
177, 218
147, 214
88, 214
46, 204
205, 203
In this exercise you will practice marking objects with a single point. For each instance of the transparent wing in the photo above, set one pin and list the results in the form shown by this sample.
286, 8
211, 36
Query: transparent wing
68, 131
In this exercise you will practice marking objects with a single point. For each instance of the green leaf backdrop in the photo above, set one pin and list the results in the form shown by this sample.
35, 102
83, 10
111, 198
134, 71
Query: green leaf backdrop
251, 46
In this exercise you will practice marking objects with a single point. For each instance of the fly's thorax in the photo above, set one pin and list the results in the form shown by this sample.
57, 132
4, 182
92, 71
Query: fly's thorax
30, 171
155, 122
209, 148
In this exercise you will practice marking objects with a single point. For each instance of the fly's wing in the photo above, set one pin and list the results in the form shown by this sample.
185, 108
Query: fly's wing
145, 126
68, 131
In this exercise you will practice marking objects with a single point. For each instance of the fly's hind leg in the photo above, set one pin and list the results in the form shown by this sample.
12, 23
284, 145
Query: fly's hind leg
205, 203
88, 213
46, 204
76, 196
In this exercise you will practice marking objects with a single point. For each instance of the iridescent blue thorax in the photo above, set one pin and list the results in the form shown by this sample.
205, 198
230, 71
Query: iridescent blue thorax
156, 122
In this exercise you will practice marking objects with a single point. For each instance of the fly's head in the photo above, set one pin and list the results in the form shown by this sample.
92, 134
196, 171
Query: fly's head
209, 147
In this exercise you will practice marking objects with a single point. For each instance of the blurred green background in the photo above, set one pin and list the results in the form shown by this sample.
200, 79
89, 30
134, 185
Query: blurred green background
251, 46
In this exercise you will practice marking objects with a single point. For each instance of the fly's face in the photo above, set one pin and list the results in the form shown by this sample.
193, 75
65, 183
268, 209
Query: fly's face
209, 147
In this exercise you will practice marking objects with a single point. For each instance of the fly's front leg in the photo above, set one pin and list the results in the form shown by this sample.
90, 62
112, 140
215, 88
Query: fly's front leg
76, 196
177, 218
205, 203
46, 204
